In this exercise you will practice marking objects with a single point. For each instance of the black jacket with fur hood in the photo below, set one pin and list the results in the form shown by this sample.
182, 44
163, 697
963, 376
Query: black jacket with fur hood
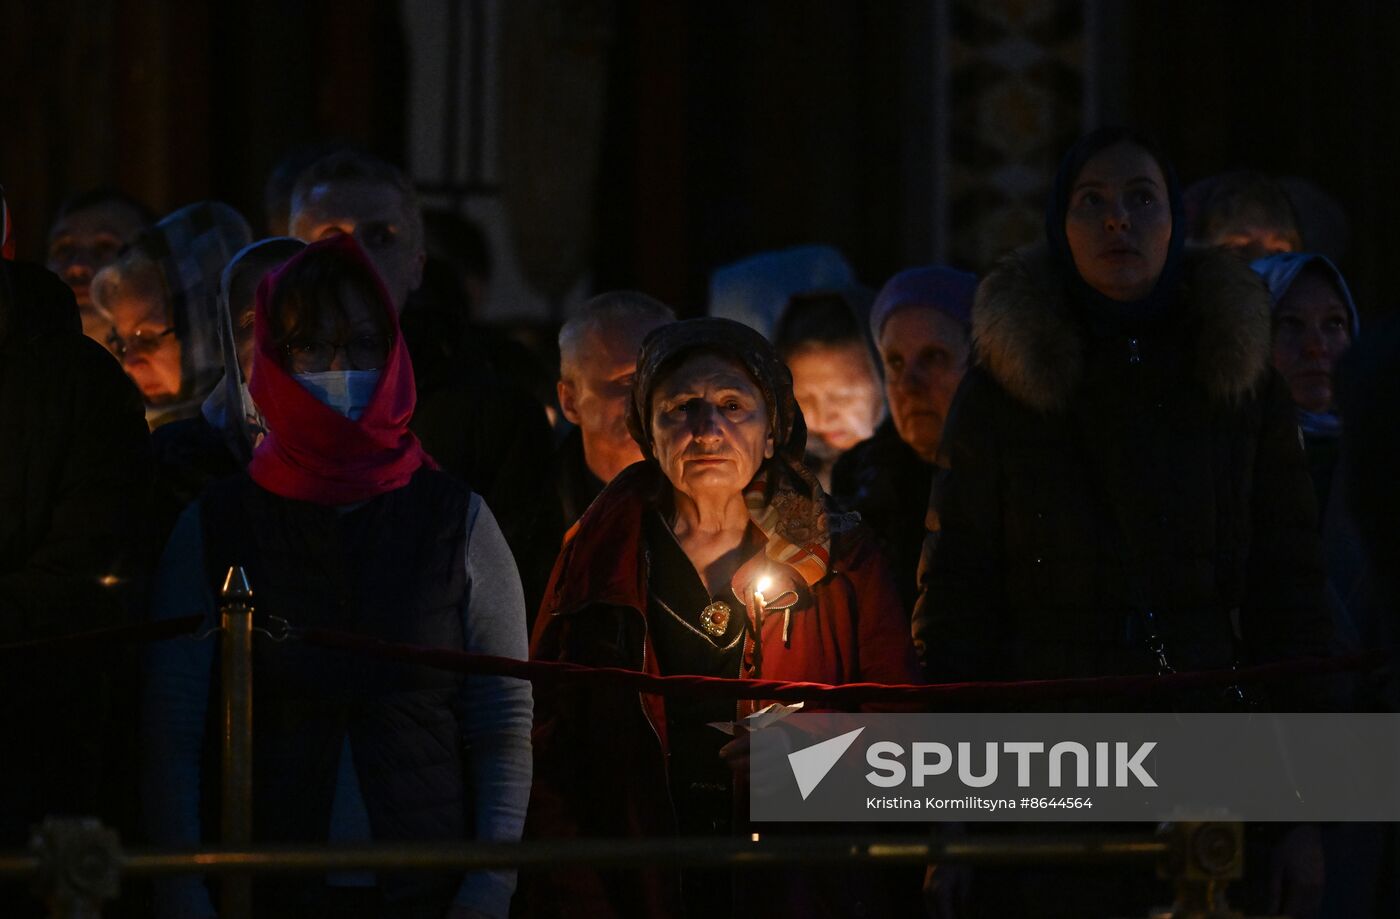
1098, 475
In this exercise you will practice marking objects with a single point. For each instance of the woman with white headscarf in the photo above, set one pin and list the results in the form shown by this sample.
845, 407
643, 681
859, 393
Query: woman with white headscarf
162, 296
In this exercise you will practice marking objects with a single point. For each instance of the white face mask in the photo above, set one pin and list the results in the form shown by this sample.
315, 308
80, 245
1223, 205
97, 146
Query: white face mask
346, 391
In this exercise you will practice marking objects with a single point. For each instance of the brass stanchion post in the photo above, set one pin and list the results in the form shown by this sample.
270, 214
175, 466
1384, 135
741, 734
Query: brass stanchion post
1203, 859
236, 624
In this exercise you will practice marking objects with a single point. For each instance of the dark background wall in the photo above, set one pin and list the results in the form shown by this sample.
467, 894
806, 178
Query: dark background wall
176, 101
731, 126
752, 126
1309, 89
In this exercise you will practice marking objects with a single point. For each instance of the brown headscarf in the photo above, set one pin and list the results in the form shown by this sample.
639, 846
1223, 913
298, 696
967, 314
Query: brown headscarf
785, 500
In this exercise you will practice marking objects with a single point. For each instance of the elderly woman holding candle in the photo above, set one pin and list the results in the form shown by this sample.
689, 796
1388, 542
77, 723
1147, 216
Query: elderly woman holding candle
717, 555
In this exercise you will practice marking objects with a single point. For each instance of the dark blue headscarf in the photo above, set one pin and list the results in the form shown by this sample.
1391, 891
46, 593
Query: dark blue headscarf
1102, 309
937, 287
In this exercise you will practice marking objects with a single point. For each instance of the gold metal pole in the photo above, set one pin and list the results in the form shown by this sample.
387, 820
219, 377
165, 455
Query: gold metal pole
236, 622
736, 852
1203, 855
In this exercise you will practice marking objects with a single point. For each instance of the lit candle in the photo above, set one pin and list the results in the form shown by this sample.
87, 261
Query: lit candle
764, 583
758, 608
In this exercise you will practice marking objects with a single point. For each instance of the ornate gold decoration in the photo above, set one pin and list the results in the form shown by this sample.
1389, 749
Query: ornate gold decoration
714, 619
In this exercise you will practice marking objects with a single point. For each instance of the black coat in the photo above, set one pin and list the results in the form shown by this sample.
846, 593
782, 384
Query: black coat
576, 483
74, 489
495, 437
888, 484
74, 466
189, 455
1096, 476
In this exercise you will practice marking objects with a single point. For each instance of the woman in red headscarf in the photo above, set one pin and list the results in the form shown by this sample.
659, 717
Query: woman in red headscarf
344, 522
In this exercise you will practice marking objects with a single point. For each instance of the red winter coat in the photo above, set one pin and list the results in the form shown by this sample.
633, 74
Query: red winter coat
601, 754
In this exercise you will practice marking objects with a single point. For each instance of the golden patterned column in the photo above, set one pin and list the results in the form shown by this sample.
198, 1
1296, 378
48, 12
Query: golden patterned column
1016, 74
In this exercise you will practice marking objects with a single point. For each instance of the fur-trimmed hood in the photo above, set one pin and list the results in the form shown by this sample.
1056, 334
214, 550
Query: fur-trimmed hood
1026, 336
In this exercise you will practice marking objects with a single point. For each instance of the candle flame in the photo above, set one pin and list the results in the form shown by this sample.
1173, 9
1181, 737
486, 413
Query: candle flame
763, 584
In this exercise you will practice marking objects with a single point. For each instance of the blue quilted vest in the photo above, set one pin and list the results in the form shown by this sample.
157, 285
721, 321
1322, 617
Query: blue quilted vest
394, 569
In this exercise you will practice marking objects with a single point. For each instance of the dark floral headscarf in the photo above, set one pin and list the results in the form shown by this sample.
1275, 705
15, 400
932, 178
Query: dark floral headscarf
664, 347
785, 500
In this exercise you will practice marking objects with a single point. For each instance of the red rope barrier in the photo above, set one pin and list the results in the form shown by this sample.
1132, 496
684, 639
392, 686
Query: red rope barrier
842, 696
141, 632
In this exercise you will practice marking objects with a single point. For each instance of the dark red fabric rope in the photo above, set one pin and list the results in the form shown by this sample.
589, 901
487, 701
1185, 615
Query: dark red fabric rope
97, 638
845, 695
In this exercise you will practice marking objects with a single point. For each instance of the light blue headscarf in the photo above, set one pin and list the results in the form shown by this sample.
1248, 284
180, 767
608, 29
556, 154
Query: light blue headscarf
756, 290
1279, 272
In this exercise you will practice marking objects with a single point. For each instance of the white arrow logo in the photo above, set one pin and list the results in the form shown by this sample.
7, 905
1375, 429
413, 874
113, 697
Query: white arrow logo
810, 766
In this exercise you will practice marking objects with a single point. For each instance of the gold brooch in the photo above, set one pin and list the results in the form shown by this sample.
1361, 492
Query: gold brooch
714, 619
